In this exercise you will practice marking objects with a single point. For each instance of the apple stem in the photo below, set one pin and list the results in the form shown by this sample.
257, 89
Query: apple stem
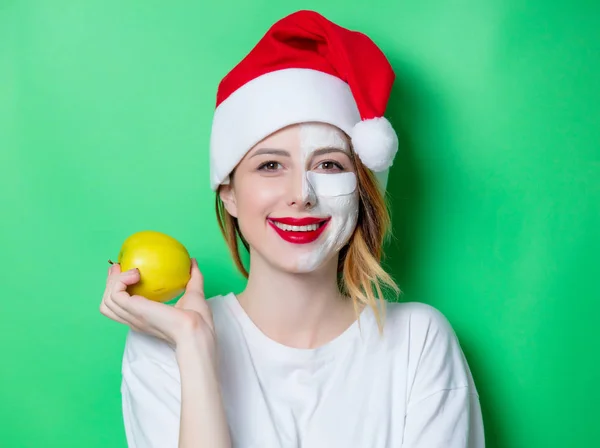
110, 262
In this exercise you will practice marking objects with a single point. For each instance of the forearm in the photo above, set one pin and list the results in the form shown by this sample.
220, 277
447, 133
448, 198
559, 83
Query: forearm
203, 423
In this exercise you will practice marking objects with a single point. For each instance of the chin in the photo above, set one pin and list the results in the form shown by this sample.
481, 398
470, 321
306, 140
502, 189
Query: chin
301, 267
311, 259
297, 260
302, 258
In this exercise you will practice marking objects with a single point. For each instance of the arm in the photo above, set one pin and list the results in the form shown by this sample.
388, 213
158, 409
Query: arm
443, 409
203, 422
446, 419
170, 389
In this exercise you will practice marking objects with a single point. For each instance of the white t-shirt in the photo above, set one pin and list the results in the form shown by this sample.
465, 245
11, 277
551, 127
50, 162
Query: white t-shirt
410, 388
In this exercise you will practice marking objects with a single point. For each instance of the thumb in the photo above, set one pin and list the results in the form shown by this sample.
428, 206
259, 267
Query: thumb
195, 285
193, 298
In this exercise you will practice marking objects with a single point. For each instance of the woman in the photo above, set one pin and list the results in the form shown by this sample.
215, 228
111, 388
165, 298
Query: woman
307, 355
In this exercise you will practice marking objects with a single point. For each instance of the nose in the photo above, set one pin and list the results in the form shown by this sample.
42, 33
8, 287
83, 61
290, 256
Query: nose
302, 194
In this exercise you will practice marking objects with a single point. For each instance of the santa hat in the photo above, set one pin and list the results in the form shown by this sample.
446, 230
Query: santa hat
305, 69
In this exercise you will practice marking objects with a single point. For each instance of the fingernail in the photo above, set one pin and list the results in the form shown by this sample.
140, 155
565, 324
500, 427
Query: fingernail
132, 270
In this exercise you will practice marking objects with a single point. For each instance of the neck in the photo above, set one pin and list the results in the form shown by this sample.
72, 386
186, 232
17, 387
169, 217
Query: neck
299, 310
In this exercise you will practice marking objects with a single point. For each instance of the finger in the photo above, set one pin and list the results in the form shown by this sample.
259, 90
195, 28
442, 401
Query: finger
106, 311
111, 309
123, 314
118, 288
119, 295
120, 281
194, 297
155, 316
152, 315
195, 284
113, 271
112, 267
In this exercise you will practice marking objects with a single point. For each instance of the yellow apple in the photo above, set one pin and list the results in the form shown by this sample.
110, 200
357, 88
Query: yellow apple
164, 264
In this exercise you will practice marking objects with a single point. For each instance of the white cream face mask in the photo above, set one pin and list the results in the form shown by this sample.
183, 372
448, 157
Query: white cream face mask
335, 195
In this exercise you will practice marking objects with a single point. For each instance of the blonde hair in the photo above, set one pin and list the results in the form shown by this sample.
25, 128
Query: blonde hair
360, 274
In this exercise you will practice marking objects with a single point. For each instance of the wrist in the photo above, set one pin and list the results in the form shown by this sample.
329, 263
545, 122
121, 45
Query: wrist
195, 347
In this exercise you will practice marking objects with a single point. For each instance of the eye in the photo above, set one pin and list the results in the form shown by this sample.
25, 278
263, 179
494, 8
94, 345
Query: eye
330, 165
269, 166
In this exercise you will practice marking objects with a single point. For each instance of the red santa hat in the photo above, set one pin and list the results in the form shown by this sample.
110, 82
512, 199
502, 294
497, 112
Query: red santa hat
305, 69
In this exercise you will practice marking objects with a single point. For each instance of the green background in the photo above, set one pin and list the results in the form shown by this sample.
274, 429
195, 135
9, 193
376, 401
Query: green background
105, 111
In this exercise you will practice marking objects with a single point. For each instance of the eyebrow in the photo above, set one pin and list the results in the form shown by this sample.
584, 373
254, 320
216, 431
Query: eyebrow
329, 150
284, 153
276, 152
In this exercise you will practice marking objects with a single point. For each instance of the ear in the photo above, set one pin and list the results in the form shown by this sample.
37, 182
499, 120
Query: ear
227, 195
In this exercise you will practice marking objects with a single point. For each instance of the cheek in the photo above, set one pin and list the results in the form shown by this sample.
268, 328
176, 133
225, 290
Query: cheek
328, 186
255, 200
338, 197
343, 209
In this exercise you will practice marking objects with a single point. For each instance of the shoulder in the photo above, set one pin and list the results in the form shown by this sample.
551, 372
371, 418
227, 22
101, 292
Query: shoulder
419, 319
421, 326
418, 309
218, 303
429, 345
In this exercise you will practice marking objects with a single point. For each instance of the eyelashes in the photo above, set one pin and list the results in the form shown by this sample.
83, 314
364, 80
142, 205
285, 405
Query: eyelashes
326, 165
332, 163
268, 166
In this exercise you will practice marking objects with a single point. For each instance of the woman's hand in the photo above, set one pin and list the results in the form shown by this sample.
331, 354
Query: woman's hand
188, 326
189, 318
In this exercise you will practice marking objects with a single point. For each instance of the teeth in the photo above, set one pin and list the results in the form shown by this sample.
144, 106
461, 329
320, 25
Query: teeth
289, 228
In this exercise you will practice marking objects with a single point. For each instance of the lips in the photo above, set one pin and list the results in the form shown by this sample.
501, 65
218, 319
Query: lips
287, 228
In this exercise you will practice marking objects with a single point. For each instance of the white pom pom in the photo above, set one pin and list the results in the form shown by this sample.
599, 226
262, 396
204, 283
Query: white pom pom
375, 142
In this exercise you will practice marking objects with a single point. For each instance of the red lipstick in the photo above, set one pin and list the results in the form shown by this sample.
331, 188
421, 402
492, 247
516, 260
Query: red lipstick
299, 237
